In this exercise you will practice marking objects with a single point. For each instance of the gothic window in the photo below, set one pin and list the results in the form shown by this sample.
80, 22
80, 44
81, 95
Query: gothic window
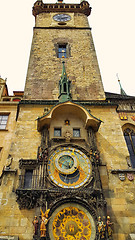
62, 51
28, 178
129, 135
3, 121
57, 132
76, 132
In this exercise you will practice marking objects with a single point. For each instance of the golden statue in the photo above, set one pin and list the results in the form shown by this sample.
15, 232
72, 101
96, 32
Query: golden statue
44, 222
101, 228
109, 227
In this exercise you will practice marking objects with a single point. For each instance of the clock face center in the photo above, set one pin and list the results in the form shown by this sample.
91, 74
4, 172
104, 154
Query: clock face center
71, 228
66, 162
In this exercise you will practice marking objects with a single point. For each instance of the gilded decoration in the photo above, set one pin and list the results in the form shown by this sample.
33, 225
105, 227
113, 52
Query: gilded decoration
72, 221
69, 167
123, 116
44, 221
133, 118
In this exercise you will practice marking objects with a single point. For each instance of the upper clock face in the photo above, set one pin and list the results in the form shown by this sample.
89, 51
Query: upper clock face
61, 17
68, 167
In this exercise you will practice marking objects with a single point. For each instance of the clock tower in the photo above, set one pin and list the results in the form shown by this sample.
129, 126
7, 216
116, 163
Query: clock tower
68, 174
63, 75
62, 30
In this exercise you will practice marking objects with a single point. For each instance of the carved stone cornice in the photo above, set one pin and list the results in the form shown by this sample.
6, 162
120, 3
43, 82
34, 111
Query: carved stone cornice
28, 199
40, 7
115, 171
24, 163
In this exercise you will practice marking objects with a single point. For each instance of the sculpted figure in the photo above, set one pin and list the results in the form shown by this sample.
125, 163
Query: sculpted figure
44, 222
40, 154
109, 227
35, 223
101, 229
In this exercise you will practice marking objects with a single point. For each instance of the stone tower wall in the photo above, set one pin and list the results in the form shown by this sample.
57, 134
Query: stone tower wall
45, 67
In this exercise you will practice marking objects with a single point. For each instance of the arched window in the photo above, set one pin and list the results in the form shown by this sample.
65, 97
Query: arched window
129, 135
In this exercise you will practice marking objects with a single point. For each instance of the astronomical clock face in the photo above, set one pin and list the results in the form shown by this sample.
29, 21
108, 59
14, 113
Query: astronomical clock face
68, 167
71, 221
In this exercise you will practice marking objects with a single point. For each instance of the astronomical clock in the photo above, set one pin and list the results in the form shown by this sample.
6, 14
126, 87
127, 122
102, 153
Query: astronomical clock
71, 221
68, 167
70, 171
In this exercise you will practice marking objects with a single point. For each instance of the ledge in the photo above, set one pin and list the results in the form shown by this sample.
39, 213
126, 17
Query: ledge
54, 102
3, 237
6, 170
64, 27
115, 171
8, 103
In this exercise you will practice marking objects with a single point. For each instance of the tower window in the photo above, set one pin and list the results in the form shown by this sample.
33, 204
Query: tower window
76, 132
57, 132
62, 51
3, 121
129, 135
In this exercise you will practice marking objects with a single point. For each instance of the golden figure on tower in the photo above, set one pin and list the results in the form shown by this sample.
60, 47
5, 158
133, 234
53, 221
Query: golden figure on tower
44, 222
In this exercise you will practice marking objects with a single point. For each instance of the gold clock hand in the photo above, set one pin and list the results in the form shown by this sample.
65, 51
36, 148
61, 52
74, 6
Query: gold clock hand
62, 163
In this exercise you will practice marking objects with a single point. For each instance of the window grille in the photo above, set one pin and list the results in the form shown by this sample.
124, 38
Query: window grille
76, 132
62, 51
57, 132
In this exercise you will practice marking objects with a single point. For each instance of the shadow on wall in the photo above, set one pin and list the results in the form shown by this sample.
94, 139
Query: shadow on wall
106, 147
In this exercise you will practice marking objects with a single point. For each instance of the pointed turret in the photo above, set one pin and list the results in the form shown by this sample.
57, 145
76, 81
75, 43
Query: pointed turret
64, 86
122, 92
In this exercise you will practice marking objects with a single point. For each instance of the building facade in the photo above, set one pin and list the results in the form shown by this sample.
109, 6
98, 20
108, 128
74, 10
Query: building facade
71, 154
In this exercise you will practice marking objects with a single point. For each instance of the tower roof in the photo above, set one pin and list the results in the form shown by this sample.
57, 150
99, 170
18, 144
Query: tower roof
40, 7
122, 92
64, 86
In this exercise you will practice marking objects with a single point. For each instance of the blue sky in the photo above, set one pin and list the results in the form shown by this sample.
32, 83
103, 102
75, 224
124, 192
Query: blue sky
113, 31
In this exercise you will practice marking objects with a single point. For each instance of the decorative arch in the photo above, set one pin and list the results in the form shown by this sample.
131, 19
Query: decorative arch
88, 119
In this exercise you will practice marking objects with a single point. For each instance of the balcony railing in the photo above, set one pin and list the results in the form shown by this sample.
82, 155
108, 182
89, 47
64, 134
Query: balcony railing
31, 182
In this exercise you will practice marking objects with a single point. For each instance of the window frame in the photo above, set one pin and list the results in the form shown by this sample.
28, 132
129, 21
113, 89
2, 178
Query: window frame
2, 114
67, 47
58, 129
77, 129
128, 133
63, 52
28, 178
